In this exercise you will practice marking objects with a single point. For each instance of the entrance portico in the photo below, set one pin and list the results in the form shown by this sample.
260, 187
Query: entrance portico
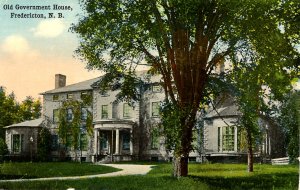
113, 138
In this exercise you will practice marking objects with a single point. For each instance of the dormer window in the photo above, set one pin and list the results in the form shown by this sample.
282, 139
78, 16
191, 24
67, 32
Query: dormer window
83, 95
69, 96
55, 97
156, 88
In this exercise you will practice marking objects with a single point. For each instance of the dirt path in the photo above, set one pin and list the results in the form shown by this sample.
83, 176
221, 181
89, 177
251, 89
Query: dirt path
127, 169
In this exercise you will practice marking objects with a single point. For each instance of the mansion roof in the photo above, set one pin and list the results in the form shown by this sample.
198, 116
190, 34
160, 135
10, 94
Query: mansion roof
80, 86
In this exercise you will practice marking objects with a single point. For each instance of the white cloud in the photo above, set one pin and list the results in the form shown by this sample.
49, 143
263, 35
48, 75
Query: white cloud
16, 48
49, 28
15, 44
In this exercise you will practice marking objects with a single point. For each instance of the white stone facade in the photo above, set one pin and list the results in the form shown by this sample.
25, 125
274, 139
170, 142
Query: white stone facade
121, 132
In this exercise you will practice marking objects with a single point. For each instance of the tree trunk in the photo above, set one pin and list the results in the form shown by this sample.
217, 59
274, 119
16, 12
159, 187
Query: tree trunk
250, 151
181, 153
180, 166
75, 153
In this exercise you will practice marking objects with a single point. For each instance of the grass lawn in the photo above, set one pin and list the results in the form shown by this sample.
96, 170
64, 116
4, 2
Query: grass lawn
202, 176
28, 170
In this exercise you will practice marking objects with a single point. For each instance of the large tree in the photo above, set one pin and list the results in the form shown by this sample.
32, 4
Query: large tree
8, 110
262, 72
288, 121
11, 111
30, 109
183, 41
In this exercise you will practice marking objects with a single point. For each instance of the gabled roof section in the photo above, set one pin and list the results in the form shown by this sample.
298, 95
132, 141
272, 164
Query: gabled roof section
224, 112
84, 85
31, 123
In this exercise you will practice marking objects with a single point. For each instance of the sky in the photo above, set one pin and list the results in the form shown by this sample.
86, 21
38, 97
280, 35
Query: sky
33, 50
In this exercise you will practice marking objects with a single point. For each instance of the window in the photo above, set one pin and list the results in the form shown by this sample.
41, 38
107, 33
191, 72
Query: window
226, 136
69, 114
103, 141
56, 115
83, 142
126, 110
156, 88
104, 111
228, 139
155, 109
192, 159
154, 140
83, 129
126, 141
69, 96
84, 113
55, 97
18, 141
54, 142
83, 95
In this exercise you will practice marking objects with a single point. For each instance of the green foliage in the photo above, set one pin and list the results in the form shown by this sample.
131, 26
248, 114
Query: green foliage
70, 129
44, 145
261, 76
70, 126
288, 121
8, 110
170, 125
289, 11
89, 123
3, 148
87, 99
30, 109
63, 125
13, 112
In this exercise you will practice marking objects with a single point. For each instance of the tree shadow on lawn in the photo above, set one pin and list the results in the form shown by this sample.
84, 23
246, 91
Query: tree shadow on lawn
8, 176
259, 181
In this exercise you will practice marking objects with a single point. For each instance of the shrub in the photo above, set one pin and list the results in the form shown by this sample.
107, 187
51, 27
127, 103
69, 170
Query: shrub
44, 145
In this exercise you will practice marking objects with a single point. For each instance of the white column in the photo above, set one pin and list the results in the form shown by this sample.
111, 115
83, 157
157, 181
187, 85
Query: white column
131, 143
270, 149
95, 141
235, 139
111, 146
221, 139
117, 142
266, 145
98, 142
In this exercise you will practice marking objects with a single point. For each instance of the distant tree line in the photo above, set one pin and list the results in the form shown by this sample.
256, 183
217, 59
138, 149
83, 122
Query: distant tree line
12, 111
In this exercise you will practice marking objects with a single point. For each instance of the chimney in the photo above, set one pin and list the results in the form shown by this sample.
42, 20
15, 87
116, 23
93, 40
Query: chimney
60, 80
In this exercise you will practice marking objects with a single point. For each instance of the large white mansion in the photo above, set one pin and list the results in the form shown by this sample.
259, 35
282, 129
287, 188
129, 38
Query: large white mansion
122, 132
